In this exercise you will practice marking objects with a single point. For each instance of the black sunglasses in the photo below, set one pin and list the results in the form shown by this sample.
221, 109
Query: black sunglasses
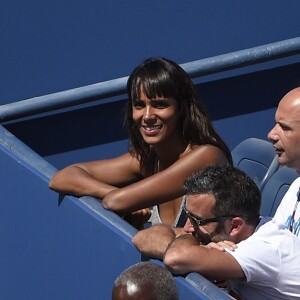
199, 222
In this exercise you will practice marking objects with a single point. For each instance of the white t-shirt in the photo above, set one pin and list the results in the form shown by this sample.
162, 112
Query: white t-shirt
285, 209
270, 259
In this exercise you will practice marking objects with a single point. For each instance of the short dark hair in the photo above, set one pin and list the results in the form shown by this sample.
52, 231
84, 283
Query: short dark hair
161, 281
235, 192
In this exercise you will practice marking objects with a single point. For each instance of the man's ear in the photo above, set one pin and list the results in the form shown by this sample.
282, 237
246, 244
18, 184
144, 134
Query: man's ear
235, 226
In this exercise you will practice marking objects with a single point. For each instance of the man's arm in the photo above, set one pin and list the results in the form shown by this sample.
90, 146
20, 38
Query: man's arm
154, 241
185, 255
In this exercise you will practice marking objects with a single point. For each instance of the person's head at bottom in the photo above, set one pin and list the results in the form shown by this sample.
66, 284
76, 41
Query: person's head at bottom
145, 281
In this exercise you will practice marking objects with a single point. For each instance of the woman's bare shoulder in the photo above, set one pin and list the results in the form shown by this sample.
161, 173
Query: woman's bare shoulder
205, 153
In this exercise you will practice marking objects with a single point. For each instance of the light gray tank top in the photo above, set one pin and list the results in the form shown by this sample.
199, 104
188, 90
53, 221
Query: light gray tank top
179, 220
181, 216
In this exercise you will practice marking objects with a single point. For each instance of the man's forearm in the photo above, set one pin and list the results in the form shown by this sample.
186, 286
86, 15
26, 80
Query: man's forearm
183, 242
154, 241
177, 256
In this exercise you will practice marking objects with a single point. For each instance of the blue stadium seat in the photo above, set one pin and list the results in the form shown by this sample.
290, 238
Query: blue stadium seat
257, 158
275, 189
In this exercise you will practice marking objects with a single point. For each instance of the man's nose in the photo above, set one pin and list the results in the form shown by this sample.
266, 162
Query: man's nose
272, 135
188, 227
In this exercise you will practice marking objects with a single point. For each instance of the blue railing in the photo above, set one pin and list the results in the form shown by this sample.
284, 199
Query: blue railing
116, 87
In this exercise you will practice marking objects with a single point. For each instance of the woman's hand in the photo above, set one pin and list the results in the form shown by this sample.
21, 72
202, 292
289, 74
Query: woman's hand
138, 218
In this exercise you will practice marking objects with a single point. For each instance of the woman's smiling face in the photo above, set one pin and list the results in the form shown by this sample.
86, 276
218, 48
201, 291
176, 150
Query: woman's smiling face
157, 118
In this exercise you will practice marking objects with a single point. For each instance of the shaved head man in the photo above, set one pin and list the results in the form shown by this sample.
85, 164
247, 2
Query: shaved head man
285, 136
145, 281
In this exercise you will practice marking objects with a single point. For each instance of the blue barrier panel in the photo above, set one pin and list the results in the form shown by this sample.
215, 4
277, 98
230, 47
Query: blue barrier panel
52, 251
56, 247
205, 286
199, 284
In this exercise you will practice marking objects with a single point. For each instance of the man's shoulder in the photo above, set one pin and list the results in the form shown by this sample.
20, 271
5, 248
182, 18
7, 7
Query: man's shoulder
296, 182
268, 231
293, 189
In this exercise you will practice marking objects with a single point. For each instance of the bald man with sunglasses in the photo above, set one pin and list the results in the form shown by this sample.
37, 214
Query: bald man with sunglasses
222, 204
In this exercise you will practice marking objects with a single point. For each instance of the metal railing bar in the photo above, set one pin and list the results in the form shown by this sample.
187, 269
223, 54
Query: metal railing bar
63, 99
116, 87
242, 58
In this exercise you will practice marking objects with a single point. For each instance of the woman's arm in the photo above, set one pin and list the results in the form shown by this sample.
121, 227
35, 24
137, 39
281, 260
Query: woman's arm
119, 183
96, 178
163, 186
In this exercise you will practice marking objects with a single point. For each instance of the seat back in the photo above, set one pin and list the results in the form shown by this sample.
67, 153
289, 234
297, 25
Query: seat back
256, 157
275, 189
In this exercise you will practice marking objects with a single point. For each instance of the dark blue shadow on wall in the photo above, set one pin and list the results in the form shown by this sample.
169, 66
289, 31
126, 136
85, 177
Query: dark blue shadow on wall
76, 129
249, 93
63, 132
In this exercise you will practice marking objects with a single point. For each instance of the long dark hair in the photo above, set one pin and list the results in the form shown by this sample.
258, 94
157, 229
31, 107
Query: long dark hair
164, 78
